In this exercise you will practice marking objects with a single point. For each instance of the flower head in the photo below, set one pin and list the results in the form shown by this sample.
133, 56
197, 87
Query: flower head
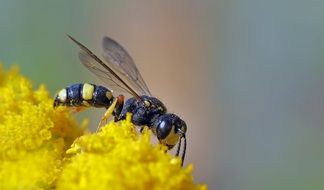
42, 148
33, 136
118, 157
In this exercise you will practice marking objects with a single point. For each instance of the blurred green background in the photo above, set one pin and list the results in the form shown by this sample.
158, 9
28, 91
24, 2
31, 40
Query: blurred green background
246, 76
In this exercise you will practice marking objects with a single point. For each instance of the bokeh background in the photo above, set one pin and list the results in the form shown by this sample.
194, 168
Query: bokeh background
246, 75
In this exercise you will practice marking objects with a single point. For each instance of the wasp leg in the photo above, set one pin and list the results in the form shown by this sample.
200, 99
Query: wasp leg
107, 114
119, 107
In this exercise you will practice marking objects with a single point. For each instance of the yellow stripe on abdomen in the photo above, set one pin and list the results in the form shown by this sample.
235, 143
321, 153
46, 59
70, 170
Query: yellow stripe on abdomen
62, 95
87, 91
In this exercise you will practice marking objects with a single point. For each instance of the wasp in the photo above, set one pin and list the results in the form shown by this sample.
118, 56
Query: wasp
120, 73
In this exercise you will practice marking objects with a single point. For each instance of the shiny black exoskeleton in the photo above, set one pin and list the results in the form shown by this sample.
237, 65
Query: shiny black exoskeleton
144, 110
84, 95
121, 74
151, 112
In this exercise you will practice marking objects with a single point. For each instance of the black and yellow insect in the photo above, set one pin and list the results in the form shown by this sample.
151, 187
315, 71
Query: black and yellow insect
84, 95
120, 73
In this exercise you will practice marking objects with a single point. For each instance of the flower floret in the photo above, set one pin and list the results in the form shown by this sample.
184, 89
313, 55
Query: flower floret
118, 157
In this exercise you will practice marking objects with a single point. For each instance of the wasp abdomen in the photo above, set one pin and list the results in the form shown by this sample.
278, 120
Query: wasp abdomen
84, 95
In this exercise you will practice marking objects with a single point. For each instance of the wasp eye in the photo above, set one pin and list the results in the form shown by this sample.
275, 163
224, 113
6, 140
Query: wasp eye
163, 129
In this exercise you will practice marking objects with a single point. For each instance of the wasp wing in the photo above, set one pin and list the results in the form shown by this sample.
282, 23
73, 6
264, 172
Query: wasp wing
118, 58
92, 66
102, 70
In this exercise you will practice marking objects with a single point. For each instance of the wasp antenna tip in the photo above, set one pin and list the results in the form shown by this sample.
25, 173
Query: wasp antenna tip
69, 36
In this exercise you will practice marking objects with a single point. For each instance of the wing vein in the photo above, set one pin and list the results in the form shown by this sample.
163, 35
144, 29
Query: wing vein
84, 58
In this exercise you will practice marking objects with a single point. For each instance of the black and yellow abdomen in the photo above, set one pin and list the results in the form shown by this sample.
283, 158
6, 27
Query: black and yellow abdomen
85, 95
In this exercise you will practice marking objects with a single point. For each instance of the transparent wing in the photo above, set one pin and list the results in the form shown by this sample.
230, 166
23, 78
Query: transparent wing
92, 65
102, 70
118, 58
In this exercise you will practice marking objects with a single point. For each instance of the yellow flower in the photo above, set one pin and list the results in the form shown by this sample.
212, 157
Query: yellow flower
118, 157
36, 150
33, 136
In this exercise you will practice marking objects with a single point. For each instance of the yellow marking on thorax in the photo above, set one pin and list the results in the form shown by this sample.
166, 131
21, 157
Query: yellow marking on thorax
147, 103
87, 91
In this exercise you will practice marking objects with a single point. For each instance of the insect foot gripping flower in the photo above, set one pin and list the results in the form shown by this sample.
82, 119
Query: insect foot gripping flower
117, 157
33, 136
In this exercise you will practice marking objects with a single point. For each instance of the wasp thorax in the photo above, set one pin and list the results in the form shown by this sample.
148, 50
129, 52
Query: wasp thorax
145, 110
169, 128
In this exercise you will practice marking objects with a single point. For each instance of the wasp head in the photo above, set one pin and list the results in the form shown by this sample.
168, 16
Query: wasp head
169, 128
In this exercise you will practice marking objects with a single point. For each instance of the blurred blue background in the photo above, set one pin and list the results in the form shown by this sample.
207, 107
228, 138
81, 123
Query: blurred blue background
247, 76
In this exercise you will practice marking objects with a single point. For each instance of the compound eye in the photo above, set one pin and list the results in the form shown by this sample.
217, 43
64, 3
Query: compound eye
166, 132
163, 129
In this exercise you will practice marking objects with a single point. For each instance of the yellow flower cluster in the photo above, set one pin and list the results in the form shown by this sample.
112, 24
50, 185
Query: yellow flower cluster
36, 150
33, 136
118, 157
